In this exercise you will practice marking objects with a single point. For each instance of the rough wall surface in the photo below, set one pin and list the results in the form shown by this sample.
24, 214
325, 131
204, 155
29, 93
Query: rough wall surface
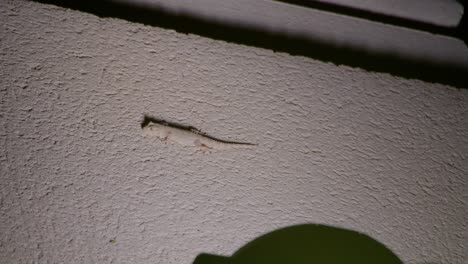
338, 146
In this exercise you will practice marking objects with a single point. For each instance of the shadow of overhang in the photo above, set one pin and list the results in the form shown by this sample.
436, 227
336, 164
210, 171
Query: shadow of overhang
279, 41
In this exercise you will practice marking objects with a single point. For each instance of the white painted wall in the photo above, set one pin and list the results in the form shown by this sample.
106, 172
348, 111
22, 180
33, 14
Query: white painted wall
338, 146
440, 12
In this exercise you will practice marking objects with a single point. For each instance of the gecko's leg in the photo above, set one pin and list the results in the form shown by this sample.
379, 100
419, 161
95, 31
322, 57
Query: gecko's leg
165, 138
202, 147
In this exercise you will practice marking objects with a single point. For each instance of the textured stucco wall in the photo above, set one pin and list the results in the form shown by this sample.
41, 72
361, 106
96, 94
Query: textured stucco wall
339, 146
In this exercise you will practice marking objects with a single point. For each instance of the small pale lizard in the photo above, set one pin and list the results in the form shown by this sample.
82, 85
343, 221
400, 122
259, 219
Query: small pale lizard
191, 138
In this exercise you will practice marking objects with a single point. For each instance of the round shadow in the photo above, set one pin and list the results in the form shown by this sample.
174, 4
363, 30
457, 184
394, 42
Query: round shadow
306, 244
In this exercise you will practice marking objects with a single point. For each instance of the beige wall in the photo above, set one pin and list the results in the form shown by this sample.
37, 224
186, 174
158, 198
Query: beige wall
338, 145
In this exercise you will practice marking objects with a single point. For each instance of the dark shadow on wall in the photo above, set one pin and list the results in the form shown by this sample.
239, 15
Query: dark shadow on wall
426, 70
306, 244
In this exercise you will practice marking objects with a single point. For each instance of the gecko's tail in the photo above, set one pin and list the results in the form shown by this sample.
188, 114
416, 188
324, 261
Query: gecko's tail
234, 145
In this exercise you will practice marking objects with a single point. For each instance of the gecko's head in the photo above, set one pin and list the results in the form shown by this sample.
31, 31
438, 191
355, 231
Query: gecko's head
152, 128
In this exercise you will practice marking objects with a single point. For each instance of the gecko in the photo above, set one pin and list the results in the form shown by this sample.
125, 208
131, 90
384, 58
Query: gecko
191, 138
